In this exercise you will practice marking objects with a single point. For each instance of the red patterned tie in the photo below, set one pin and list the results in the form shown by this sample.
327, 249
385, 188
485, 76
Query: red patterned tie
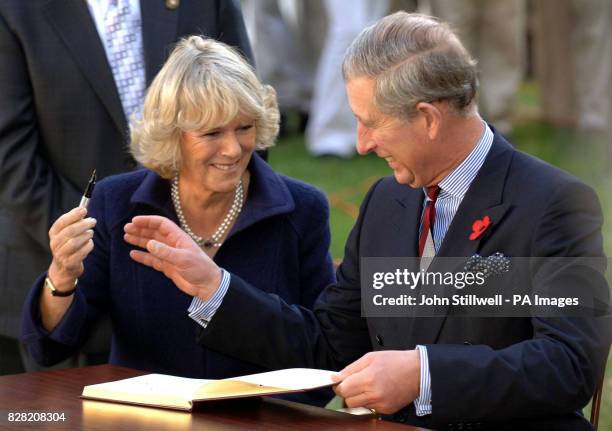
429, 217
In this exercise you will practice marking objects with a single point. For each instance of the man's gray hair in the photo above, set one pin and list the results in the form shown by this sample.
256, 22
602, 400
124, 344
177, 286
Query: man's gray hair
413, 58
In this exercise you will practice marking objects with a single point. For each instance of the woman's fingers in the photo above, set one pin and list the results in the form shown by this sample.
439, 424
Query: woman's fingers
59, 238
70, 239
85, 250
74, 262
67, 219
74, 244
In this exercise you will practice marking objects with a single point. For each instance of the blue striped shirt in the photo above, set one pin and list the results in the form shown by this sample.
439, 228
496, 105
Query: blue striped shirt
456, 184
202, 311
452, 190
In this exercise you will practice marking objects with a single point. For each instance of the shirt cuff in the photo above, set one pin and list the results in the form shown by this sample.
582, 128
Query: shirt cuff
203, 311
422, 404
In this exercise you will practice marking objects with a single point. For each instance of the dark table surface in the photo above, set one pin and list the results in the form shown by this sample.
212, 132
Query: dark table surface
59, 392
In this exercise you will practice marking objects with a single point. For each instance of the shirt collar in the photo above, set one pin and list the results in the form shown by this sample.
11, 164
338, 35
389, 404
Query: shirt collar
458, 182
268, 195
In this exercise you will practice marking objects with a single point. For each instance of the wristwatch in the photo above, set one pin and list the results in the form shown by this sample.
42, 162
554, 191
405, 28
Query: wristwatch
54, 292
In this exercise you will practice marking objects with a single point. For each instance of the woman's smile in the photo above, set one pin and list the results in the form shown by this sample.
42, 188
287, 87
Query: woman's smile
226, 167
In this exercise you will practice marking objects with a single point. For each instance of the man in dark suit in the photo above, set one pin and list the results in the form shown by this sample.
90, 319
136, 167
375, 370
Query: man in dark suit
412, 88
62, 115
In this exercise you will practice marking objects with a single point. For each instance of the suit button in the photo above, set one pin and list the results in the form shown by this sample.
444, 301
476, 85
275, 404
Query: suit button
379, 340
172, 4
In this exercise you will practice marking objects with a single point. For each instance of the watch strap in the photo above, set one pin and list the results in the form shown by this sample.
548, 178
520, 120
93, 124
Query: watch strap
54, 292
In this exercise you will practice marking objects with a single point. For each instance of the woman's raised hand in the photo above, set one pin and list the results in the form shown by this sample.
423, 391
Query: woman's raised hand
70, 239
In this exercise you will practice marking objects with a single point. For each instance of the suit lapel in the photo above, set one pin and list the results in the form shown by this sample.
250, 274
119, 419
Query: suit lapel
406, 220
75, 27
402, 225
159, 31
483, 198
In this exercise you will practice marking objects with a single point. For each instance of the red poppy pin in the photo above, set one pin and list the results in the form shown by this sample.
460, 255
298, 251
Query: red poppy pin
479, 226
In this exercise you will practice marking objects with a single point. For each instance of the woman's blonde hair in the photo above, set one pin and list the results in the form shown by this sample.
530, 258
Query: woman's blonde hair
204, 84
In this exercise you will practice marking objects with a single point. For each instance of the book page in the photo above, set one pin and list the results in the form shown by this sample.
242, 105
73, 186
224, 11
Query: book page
150, 389
156, 384
221, 389
273, 382
292, 379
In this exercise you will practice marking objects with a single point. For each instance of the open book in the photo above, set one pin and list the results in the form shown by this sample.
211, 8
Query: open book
160, 390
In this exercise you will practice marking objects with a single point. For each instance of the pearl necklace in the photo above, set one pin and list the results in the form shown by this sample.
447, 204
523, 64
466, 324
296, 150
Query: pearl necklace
232, 214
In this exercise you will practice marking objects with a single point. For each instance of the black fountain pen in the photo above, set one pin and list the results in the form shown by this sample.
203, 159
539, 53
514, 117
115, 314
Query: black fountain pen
89, 190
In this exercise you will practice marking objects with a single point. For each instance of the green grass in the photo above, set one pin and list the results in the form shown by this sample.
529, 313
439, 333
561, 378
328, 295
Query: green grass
346, 181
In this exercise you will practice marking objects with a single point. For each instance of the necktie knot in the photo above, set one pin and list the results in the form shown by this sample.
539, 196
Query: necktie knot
433, 192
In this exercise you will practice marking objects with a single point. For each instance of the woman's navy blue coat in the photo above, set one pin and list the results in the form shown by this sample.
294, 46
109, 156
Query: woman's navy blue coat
279, 243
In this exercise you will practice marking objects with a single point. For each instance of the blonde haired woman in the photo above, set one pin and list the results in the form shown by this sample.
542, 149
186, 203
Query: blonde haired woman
204, 115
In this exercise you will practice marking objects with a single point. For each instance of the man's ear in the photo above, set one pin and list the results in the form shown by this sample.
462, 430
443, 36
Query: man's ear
432, 117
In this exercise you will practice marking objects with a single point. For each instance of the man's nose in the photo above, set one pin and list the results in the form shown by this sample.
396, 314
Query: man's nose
365, 143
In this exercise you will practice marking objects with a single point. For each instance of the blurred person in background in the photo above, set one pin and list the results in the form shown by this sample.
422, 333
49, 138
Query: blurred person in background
71, 74
573, 59
287, 38
331, 129
204, 115
298, 47
494, 32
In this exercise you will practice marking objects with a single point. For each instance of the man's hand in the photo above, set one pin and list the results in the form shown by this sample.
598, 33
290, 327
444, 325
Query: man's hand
173, 252
385, 381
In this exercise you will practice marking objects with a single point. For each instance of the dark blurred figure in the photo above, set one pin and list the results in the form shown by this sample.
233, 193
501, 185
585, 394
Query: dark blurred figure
71, 73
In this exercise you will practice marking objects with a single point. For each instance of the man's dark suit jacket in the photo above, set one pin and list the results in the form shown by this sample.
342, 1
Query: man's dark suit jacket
540, 371
61, 117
